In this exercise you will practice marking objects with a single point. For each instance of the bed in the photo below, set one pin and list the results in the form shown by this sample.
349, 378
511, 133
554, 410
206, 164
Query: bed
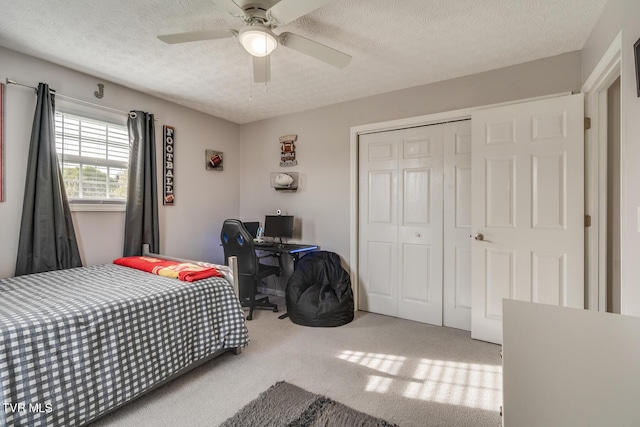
76, 344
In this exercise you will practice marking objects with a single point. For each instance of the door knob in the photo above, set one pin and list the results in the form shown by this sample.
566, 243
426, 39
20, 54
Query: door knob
479, 236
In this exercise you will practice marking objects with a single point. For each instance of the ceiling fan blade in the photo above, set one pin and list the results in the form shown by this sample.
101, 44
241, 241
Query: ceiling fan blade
197, 36
261, 69
315, 50
229, 6
286, 11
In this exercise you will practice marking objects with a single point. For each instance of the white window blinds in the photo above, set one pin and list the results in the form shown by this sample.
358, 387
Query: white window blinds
94, 156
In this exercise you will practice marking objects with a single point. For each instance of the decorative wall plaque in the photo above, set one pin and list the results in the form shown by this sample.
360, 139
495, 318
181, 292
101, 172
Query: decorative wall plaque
288, 150
214, 160
169, 162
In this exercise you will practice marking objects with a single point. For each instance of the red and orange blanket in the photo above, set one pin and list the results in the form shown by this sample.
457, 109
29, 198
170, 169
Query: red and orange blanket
185, 271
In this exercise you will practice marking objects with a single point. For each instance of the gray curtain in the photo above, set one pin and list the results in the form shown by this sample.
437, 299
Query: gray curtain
47, 240
141, 218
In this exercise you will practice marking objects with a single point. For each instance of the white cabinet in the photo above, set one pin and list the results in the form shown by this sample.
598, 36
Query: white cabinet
569, 367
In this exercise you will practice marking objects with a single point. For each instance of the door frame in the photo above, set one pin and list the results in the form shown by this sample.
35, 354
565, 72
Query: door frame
595, 89
355, 131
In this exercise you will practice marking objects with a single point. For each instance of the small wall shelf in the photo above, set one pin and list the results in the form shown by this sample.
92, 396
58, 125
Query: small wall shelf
284, 181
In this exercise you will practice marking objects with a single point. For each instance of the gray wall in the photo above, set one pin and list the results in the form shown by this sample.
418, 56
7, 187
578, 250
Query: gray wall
204, 198
322, 201
617, 15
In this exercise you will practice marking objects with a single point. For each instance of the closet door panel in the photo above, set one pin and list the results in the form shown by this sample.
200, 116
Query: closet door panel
378, 223
457, 225
402, 209
420, 229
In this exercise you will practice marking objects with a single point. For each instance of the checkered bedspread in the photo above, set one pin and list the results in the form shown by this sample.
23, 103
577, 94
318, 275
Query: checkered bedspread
78, 342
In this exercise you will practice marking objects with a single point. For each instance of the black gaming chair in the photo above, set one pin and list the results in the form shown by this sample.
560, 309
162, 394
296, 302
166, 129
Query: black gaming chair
238, 242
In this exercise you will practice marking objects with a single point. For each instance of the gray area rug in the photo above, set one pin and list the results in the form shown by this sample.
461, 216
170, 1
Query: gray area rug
285, 404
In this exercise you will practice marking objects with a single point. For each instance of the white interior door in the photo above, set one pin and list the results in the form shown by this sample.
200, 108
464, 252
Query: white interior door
528, 204
400, 223
457, 225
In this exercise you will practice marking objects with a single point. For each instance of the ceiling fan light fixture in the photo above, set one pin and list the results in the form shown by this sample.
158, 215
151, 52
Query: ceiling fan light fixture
258, 41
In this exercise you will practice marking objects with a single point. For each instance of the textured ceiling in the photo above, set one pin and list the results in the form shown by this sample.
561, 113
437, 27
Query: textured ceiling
395, 44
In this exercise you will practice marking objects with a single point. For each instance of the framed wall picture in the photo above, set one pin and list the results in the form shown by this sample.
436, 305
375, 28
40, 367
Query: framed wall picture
213, 160
636, 52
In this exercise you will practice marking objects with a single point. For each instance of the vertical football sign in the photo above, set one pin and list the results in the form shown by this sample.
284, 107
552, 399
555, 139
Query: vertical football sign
169, 165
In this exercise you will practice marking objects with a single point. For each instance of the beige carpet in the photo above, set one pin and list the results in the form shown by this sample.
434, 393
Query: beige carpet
405, 372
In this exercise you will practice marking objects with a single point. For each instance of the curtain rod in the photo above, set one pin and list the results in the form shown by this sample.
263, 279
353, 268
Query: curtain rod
13, 82
82, 101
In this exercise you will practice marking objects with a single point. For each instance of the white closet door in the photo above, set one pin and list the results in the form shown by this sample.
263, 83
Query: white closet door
457, 225
528, 203
378, 223
420, 229
400, 234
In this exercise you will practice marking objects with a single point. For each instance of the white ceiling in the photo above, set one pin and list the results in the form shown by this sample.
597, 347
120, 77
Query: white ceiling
395, 44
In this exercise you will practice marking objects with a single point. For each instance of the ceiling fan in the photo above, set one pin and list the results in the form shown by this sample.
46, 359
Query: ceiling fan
258, 38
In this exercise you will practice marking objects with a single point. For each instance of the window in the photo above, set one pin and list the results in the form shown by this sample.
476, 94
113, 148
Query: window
94, 155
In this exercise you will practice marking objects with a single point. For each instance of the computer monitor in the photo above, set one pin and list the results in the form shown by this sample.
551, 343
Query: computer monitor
280, 226
252, 228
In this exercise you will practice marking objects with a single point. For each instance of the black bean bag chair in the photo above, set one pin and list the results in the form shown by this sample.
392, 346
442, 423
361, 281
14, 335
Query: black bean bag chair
319, 291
